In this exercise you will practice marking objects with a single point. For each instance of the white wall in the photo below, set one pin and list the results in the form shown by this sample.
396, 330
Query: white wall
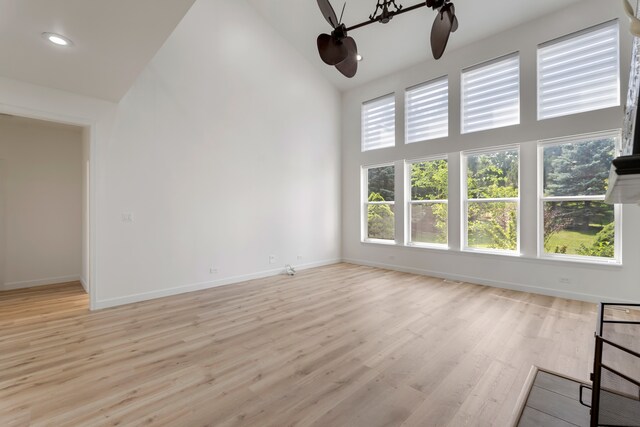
590, 282
226, 150
43, 180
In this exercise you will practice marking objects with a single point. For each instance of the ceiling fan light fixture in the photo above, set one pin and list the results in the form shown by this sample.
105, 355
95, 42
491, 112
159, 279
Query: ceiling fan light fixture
57, 39
340, 50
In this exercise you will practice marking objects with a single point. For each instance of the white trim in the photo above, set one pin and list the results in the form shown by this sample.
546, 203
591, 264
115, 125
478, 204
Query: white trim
492, 283
41, 282
573, 198
146, 296
84, 284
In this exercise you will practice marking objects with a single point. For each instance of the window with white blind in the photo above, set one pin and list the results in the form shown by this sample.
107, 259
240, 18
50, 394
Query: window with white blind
491, 94
427, 111
379, 123
579, 72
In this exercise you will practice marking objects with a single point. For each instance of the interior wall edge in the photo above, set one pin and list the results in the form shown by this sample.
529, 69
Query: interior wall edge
41, 282
578, 296
146, 296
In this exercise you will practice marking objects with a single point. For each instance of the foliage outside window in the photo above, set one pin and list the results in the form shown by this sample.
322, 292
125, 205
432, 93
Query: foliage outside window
575, 220
379, 203
428, 205
492, 200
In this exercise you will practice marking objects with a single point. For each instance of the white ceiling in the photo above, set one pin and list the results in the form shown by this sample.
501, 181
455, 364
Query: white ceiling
405, 40
113, 41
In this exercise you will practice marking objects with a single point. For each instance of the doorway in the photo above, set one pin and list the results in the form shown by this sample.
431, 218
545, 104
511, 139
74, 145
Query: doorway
44, 204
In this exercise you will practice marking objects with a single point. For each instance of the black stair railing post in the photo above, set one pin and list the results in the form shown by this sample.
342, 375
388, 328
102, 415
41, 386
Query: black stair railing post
596, 377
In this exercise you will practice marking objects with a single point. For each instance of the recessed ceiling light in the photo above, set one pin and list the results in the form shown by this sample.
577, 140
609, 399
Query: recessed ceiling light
57, 39
359, 57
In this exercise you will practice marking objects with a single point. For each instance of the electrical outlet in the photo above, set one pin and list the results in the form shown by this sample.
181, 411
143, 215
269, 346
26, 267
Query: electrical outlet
299, 257
213, 270
565, 280
272, 259
127, 217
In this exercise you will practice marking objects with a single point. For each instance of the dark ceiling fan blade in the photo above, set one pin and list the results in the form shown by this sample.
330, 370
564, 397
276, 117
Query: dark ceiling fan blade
328, 12
435, 4
440, 31
454, 20
349, 67
332, 51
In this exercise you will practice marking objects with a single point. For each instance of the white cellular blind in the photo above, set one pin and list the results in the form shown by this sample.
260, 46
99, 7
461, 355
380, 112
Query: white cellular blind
427, 111
379, 123
491, 95
579, 73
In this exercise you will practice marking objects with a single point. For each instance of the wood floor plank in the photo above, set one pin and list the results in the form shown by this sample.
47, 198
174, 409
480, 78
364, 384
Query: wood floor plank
333, 346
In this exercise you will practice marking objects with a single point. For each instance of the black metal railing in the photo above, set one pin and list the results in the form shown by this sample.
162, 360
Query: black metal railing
602, 321
615, 389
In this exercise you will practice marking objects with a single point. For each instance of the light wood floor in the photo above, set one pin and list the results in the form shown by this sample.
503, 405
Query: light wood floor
341, 345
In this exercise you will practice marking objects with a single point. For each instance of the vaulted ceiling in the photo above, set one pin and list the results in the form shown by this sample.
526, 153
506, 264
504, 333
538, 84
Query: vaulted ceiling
113, 41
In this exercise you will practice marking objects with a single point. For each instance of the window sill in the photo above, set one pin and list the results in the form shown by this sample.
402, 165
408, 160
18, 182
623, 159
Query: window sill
380, 242
581, 260
498, 252
439, 247
519, 256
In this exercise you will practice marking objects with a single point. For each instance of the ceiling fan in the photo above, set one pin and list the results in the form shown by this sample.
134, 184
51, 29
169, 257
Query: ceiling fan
341, 51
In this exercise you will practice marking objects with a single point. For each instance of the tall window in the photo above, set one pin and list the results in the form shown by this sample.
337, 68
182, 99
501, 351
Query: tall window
379, 123
491, 200
379, 199
428, 184
580, 72
427, 111
576, 223
491, 94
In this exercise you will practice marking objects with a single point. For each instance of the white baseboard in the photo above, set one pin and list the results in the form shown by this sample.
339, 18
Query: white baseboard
493, 283
40, 282
84, 284
114, 302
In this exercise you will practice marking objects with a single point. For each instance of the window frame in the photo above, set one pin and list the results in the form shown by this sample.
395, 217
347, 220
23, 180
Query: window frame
391, 95
444, 78
617, 210
464, 204
478, 66
365, 203
567, 37
409, 203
